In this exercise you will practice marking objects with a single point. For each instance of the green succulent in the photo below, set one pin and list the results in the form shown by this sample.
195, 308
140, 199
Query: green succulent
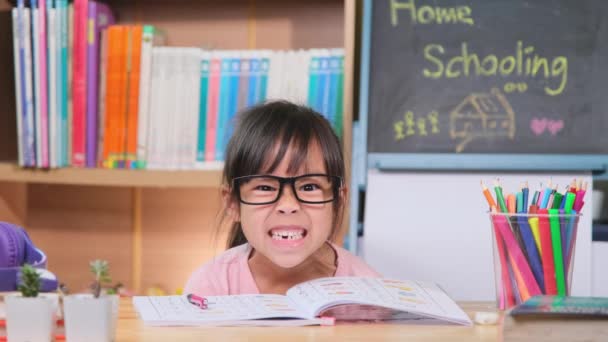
30, 281
101, 270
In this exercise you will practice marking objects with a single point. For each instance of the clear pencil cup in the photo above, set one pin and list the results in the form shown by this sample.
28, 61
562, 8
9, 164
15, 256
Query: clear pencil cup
533, 254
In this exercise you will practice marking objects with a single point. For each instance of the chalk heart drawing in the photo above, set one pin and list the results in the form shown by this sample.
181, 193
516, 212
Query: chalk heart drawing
554, 126
538, 126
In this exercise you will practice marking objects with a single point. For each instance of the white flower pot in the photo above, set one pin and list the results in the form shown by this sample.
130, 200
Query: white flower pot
31, 319
90, 319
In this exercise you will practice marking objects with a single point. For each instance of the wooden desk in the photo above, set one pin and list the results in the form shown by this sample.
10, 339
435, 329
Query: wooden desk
130, 328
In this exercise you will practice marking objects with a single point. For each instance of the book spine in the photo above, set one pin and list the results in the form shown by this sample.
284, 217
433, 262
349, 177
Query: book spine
82, 12
132, 98
323, 88
243, 86
224, 98
122, 95
332, 89
313, 80
100, 17
264, 68
113, 93
254, 75
152, 136
203, 106
235, 70
42, 61
18, 89
70, 88
52, 82
35, 58
339, 100
193, 86
213, 100
101, 101
30, 133
63, 80
144, 94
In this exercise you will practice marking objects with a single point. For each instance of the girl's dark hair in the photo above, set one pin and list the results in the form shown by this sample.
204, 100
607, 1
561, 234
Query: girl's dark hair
258, 131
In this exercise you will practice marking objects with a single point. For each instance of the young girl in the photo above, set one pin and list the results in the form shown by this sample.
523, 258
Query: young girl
284, 192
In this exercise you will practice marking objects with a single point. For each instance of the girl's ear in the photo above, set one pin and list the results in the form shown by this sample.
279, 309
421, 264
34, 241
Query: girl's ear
231, 205
343, 193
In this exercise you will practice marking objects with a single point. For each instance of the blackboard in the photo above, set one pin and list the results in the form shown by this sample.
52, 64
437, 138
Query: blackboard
488, 77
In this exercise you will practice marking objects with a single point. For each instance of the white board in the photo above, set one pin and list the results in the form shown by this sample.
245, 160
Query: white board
435, 226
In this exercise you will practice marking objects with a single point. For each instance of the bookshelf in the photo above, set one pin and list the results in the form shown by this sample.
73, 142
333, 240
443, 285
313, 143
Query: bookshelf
154, 227
209, 177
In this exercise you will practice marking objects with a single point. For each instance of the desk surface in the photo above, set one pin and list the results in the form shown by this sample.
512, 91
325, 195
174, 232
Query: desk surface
130, 328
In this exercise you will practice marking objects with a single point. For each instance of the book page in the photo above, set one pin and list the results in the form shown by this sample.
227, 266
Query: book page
408, 296
176, 310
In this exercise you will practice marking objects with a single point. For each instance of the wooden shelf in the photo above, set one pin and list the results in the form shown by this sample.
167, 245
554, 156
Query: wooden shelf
208, 177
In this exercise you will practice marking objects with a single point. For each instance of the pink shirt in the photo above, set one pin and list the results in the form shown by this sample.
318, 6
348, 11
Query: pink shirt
229, 273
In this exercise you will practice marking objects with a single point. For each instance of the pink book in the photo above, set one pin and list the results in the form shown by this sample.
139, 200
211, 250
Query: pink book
79, 90
44, 114
212, 102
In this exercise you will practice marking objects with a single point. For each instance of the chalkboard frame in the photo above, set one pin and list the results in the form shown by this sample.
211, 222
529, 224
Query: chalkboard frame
596, 163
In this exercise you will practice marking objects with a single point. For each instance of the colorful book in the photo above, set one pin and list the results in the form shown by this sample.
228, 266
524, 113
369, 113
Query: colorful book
562, 306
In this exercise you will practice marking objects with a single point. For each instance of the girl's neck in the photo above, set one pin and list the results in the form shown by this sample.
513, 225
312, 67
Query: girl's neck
271, 278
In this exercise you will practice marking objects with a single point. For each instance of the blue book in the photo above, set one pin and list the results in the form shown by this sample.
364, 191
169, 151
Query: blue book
243, 82
332, 89
322, 103
313, 82
235, 73
27, 110
339, 125
224, 105
254, 77
202, 112
264, 68
63, 53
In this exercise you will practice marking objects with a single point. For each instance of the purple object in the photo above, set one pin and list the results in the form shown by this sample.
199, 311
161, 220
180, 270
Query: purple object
101, 15
16, 249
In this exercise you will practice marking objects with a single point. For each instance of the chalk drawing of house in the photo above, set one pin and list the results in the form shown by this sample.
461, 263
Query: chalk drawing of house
482, 115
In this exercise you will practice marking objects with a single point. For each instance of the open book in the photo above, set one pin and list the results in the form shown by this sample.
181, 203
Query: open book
315, 302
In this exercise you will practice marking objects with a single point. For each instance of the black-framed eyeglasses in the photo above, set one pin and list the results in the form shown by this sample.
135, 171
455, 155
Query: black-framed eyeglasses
266, 189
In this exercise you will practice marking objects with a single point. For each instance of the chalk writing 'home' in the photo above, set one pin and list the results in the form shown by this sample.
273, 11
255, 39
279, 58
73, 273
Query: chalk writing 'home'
431, 14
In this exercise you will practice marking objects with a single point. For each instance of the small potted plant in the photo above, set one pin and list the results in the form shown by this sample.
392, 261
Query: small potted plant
30, 315
92, 316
